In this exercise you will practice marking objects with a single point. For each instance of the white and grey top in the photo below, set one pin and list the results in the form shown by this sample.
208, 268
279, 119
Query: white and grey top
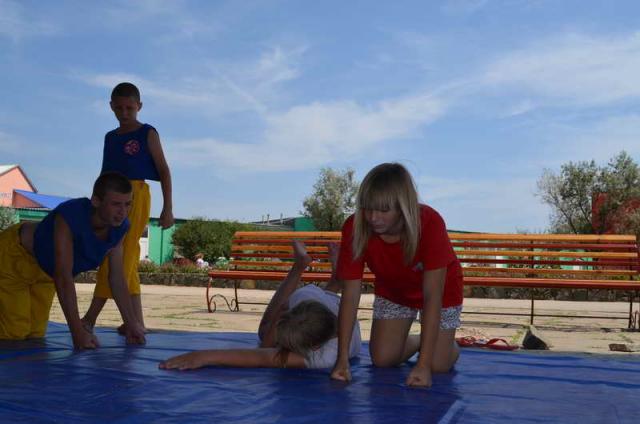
326, 355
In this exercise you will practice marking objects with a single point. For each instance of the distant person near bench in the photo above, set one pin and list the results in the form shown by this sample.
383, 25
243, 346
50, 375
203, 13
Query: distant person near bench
38, 260
298, 328
406, 246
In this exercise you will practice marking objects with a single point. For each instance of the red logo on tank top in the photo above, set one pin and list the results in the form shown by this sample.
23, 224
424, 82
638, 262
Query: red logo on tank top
132, 147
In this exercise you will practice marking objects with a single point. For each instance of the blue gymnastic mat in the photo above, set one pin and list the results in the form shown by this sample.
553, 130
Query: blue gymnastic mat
46, 381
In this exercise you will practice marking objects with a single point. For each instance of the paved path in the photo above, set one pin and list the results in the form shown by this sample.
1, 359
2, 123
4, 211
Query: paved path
184, 308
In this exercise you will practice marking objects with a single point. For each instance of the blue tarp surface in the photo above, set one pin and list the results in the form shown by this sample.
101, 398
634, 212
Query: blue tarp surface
46, 381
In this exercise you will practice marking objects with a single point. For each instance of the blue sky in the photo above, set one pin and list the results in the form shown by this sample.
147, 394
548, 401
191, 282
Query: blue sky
252, 98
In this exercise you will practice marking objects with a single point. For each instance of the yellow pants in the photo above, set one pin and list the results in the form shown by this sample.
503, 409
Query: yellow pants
138, 218
26, 291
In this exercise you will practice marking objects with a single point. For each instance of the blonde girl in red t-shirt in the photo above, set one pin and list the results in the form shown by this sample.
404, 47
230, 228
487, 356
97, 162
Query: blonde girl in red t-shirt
406, 246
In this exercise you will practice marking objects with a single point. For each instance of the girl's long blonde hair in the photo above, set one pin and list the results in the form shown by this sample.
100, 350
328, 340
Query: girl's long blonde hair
388, 186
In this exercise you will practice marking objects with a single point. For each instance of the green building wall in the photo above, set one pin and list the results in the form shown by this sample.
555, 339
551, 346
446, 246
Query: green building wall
161, 241
303, 223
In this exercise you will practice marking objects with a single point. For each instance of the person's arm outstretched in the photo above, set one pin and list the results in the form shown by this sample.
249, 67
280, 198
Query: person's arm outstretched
432, 287
279, 301
240, 358
346, 320
155, 149
65, 287
133, 329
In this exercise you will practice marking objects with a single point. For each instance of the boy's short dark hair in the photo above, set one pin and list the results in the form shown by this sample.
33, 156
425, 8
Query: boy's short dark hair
126, 89
111, 181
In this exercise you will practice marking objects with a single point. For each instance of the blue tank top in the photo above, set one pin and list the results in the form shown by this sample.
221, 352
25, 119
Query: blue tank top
129, 154
88, 250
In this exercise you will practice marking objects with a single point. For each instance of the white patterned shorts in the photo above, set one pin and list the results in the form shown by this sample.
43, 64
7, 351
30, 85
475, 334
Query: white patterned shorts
386, 309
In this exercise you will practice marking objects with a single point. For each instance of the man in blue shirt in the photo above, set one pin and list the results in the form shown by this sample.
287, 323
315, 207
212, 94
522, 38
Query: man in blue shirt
38, 260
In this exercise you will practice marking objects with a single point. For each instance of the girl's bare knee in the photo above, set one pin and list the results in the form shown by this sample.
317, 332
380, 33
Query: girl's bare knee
383, 361
445, 365
441, 368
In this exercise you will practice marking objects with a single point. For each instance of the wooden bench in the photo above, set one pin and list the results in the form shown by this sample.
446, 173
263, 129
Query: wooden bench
549, 261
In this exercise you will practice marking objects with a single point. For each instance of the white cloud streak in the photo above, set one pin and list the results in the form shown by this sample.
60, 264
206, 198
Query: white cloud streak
604, 139
253, 87
313, 135
16, 25
575, 69
485, 205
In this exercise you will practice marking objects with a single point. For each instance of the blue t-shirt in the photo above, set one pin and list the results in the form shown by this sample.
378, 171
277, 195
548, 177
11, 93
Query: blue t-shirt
88, 250
129, 154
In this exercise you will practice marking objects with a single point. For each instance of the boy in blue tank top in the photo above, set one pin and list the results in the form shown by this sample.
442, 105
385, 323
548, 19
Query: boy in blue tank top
134, 150
38, 260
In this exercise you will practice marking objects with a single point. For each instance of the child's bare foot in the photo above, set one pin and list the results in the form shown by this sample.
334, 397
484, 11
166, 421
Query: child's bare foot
334, 251
300, 253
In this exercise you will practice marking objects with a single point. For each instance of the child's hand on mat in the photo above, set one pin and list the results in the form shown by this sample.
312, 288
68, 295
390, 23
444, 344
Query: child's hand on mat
82, 339
419, 377
341, 372
187, 361
134, 334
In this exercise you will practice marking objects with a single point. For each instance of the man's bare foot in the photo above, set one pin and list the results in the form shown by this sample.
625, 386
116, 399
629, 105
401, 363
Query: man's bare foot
87, 325
300, 253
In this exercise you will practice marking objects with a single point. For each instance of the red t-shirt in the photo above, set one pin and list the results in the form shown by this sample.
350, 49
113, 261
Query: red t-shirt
396, 281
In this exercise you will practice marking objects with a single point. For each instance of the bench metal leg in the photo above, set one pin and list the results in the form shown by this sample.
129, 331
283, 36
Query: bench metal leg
631, 323
532, 306
211, 303
634, 317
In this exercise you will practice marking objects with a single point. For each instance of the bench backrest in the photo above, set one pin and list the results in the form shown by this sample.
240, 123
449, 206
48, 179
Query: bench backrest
537, 255
548, 255
265, 249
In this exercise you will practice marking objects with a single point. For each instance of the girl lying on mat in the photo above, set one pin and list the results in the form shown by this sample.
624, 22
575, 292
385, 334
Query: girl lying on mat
298, 328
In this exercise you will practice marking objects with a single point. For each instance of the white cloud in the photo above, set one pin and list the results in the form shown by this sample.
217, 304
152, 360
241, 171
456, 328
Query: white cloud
575, 69
314, 134
16, 25
604, 139
278, 65
217, 88
173, 18
487, 204
519, 108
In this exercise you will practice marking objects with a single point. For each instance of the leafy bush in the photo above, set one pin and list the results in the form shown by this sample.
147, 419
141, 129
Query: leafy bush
7, 217
211, 238
170, 268
221, 263
147, 266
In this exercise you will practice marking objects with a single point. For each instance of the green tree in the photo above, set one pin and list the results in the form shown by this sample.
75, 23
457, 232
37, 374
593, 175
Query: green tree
211, 238
620, 180
7, 217
333, 199
571, 194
